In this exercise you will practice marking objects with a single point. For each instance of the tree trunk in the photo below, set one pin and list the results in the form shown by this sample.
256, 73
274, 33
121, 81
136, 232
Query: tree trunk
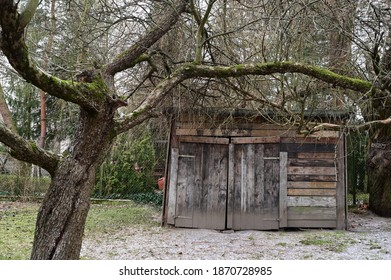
379, 172
61, 218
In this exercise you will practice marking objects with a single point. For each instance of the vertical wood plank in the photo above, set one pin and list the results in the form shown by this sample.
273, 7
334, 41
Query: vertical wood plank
172, 186
283, 213
231, 184
341, 184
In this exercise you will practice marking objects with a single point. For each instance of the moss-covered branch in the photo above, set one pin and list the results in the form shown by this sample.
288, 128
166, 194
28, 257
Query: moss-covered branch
14, 47
28, 151
193, 70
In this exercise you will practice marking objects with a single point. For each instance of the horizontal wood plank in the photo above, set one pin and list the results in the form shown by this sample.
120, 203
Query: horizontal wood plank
307, 148
311, 170
207, 140
312, 185
312, 155
312, 224
255, 140
312, 213
312, 192
311, 162
312, 178
324, 201
323, 140
244, 132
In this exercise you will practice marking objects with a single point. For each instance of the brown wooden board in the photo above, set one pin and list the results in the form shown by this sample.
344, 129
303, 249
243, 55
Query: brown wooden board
246, 132
207, 140
312, 185
312, 192
312, 178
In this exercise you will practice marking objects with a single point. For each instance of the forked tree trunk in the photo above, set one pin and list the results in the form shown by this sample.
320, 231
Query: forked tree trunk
62, 216
379, 172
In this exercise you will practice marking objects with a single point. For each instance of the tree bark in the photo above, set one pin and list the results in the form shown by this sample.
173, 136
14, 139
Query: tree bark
62, 216
379, 171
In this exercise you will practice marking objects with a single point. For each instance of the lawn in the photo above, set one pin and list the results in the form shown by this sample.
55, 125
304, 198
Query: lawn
17, 222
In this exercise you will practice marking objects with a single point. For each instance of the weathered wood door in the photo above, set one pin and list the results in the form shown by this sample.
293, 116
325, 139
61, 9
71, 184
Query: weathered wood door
227, 185
254, 196
201, 193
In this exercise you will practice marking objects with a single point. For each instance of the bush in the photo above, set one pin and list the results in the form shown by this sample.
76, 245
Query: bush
13, 185
128, 170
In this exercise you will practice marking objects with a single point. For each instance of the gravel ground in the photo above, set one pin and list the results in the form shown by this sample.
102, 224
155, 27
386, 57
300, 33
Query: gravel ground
368, 238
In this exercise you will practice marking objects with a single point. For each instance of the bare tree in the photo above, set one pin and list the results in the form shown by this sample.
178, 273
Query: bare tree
243, 50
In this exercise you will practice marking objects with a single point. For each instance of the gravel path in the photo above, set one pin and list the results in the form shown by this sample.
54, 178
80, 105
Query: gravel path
368, 237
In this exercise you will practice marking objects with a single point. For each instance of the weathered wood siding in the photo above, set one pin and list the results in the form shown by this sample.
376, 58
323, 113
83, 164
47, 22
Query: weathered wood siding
255, 176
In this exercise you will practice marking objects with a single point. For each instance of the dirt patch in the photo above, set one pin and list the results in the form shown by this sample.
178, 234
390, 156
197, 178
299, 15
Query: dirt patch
368, 237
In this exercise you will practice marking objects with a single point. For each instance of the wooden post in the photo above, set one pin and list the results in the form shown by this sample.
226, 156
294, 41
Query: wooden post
283, 214
172, 186
341, 184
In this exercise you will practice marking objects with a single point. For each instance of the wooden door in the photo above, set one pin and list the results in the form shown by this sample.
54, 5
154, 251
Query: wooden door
254, 198
201, 189
227, 186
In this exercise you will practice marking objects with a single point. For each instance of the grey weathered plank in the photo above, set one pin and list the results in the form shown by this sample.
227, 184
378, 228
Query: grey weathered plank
312, 155
312, 223
312, 213
325, 201
231, 186
283, 190
313, 170
172, 187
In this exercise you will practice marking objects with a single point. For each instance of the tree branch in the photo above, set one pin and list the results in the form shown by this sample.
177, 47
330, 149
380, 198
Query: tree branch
14, 47
28, 151
127, 58
263, 69
145, 110
28, 13
355, 127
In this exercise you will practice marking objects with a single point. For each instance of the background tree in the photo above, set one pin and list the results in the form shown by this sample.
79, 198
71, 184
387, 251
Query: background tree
122, 59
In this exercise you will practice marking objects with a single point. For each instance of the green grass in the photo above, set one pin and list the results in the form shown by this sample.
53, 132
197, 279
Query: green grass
17, 231
335, 241
17, 223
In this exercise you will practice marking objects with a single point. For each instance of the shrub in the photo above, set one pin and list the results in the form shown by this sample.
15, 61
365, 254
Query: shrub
14, 185
128, 170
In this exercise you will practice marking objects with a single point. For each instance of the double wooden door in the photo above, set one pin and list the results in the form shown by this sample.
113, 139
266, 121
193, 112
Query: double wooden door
226, 184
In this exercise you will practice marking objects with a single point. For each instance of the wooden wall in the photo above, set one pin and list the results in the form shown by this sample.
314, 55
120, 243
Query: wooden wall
310, 189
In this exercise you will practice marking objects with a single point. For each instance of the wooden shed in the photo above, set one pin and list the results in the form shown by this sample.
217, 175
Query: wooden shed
242, 171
